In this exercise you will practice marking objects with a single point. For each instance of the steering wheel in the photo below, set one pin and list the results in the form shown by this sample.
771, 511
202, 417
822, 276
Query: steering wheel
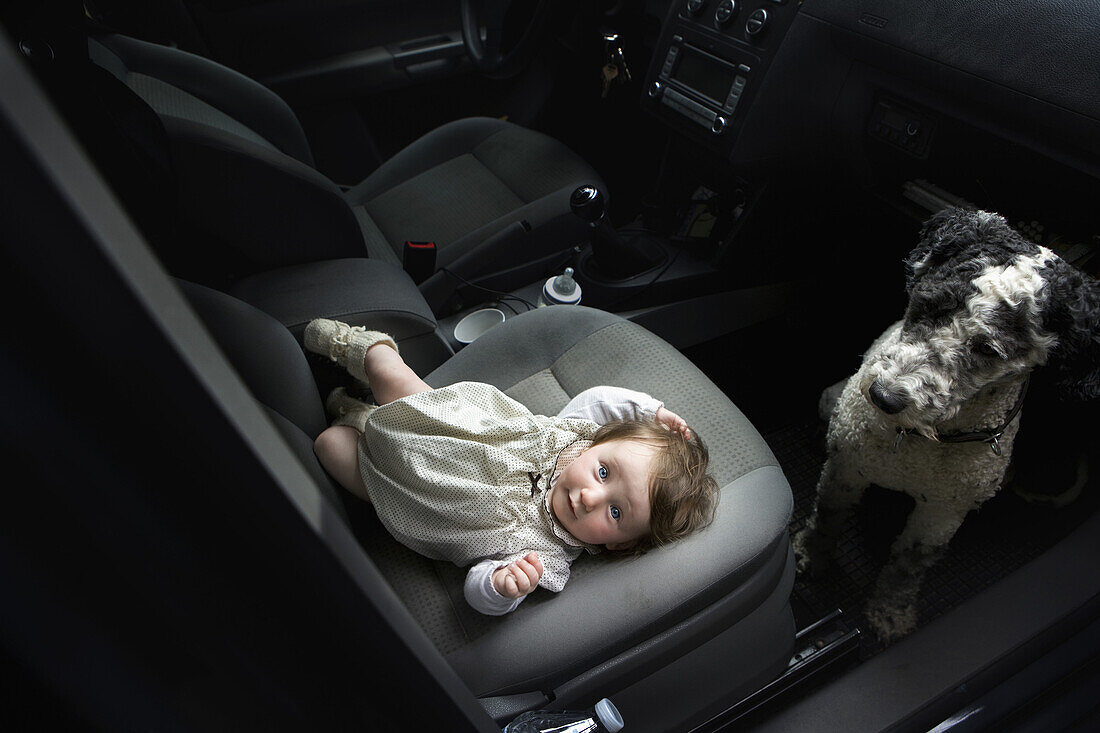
487, 55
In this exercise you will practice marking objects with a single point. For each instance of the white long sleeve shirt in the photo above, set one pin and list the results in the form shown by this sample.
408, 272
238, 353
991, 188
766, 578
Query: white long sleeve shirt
601, 405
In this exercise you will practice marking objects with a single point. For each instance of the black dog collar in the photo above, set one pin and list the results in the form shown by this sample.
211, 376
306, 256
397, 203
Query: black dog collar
993, 437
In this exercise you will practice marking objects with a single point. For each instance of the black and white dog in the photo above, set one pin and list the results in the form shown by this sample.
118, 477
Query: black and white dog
934, 409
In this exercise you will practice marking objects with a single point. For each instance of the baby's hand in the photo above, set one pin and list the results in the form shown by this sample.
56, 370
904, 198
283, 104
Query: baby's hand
518, 578
672, 421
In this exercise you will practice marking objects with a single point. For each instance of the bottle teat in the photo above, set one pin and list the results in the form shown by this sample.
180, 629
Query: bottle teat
561, 290
565, 284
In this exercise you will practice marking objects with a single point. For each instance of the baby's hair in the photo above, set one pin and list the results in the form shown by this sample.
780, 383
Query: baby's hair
683, 497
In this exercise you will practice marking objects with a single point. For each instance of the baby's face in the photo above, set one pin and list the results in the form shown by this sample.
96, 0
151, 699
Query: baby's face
602, 498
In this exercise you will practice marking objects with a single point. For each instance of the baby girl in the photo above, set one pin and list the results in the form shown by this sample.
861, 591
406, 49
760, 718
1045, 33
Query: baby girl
465, 473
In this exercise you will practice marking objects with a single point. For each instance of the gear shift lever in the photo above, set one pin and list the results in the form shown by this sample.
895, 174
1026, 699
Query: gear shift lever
587, 203
615, 258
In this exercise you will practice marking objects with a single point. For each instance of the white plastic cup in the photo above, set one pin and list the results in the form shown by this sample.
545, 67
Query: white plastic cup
477, 323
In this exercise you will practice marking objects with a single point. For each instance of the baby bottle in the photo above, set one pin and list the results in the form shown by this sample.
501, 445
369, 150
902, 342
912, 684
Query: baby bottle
560, 290
603, 718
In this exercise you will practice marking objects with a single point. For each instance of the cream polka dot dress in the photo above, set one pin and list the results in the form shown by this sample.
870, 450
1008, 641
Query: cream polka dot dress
462, 473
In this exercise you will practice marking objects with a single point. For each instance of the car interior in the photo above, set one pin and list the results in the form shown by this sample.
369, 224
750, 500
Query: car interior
730, 185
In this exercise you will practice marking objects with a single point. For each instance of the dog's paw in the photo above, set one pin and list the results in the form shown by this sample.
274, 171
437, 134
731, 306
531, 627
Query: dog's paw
811, 554
890, 620
803, 564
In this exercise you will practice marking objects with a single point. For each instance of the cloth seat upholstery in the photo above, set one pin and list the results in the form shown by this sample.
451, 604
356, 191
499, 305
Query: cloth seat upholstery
246, 175
545, 358
615, 618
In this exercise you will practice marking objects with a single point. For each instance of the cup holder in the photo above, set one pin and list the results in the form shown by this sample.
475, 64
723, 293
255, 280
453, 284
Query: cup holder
475, 324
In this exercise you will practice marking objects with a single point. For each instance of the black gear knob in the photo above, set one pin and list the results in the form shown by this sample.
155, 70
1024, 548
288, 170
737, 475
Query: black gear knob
587, 203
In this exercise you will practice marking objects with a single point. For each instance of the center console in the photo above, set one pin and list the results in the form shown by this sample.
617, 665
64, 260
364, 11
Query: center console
709, 63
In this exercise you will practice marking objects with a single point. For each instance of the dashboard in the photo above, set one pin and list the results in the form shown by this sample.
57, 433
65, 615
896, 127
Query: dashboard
759, 79
709, 63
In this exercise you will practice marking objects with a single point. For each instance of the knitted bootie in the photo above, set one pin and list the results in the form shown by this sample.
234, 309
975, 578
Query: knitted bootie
343, 409
346, 345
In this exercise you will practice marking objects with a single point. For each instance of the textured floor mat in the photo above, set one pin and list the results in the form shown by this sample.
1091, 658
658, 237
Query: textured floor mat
1003, 535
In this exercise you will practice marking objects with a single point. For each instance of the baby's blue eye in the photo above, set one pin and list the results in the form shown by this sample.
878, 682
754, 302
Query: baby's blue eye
616, 513
602, 472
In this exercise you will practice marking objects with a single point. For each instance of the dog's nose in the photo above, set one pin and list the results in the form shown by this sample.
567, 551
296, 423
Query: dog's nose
885, 400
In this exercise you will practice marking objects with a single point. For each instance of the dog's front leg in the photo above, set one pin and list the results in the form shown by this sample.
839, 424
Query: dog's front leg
840, 487
892, 610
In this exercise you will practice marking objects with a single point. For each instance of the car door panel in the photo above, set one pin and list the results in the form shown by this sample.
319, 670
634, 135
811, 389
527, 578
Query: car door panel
360, 73
311, 52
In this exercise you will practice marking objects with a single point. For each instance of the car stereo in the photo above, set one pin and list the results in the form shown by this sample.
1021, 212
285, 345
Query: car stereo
709, 63
699, 85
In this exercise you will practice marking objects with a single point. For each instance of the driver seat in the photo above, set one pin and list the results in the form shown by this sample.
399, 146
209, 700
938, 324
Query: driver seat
492, 195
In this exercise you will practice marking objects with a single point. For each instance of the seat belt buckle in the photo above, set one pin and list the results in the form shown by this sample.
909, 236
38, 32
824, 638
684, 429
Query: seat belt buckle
419, 260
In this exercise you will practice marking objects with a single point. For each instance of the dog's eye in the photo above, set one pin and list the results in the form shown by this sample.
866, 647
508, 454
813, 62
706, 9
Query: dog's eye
986, 349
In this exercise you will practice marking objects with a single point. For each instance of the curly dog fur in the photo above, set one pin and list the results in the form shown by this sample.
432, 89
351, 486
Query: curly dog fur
986, 308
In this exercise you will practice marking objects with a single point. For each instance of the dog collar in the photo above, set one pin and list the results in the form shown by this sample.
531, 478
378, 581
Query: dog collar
993, 437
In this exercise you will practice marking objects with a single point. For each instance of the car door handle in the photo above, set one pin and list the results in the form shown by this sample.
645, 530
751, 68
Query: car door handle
430, 48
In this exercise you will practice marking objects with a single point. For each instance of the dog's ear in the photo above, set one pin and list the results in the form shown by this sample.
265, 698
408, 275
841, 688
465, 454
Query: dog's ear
945, 234
1071, 310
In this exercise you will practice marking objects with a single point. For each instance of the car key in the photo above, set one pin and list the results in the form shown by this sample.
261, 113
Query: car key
619, 61
609, 73
613, 49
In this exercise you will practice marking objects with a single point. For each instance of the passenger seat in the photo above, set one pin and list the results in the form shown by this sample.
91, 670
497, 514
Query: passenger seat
708, 616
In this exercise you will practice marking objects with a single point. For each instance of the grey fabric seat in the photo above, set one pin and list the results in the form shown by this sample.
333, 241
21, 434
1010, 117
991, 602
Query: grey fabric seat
711, 612
247, 182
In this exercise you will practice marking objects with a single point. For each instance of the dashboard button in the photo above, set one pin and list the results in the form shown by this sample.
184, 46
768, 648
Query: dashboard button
694, 6
756, 22
725, 11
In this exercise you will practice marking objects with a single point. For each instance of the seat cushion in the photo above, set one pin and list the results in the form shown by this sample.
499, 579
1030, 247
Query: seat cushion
543, 358
468, 179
